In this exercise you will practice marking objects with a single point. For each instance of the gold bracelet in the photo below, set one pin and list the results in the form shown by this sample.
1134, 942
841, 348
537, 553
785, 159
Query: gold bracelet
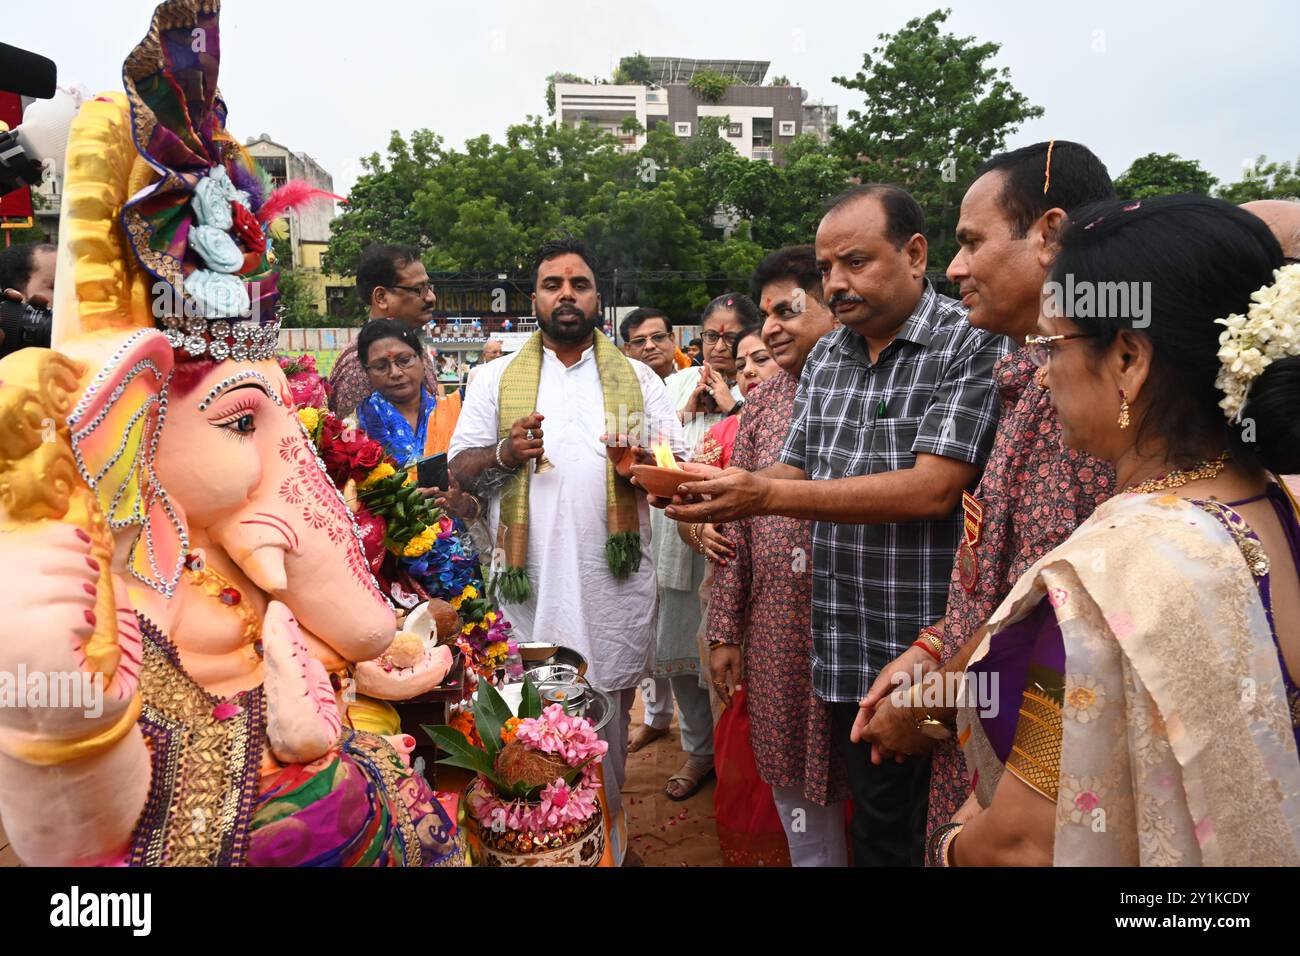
945, 844
932, 637
46, 754
695, 536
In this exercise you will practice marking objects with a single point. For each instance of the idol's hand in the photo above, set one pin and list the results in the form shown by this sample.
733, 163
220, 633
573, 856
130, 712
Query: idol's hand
734, 494
50, 594
76, 809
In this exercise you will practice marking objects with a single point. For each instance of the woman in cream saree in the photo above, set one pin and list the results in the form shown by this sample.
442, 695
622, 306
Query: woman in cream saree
1130, 702
1154, 711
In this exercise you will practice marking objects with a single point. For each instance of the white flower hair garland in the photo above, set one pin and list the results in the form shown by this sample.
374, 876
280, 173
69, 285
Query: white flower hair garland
1269, 330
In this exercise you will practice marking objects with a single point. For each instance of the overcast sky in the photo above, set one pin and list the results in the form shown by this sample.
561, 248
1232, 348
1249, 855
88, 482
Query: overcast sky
1208, 80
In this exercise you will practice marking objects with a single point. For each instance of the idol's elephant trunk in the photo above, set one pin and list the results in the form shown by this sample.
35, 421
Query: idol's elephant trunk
318, 570
235, 457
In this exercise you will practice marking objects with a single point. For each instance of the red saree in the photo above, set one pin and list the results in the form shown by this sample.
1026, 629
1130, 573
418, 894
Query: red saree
749, 828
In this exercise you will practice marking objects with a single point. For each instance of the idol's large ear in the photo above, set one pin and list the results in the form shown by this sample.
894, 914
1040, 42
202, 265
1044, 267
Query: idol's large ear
114, 429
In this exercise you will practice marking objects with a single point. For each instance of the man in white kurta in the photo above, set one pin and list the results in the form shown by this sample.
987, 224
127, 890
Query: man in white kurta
577, 602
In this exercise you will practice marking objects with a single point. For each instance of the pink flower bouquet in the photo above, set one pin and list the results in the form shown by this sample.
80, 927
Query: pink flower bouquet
536, 772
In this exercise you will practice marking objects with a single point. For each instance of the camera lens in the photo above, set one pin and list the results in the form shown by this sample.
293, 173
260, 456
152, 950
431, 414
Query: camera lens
24, 326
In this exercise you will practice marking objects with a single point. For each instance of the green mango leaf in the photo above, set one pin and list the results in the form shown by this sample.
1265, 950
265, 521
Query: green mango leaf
449, 739
490, 714
522, 791
463, 753
475, 765
531, 705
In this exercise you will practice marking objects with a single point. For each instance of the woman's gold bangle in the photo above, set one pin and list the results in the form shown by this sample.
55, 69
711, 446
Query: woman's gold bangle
695, 536
47, 754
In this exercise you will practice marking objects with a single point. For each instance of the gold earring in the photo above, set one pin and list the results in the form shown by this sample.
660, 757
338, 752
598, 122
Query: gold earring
1123, 410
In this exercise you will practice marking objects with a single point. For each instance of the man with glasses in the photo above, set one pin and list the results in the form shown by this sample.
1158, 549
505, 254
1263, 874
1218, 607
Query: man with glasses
703, 397
393, 284
648, 334
647, 337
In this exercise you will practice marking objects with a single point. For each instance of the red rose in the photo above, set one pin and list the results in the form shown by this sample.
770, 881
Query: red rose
247, 230
348, 452
366, 456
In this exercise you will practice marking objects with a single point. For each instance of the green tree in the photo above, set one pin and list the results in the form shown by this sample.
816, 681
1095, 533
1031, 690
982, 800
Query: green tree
782, 80
1160, 174
380, 200
559, 77
781, 206
802, 145
1264, 180
650, 216
297, 305
710, 85
935, 108
636, 68
708, 141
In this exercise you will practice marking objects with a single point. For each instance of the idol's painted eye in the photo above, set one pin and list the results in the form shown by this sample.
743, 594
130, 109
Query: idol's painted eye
241, 426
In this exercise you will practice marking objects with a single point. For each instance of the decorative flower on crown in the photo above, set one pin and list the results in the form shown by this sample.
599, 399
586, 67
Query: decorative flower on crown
199, 227
1249, 343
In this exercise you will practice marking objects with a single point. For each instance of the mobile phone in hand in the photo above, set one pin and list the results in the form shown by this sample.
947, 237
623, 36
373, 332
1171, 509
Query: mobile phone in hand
431, 472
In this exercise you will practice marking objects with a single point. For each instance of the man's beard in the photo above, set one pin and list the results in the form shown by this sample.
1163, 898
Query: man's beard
570, 335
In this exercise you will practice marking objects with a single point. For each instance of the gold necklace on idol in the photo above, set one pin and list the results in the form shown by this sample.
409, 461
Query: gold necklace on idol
212, 583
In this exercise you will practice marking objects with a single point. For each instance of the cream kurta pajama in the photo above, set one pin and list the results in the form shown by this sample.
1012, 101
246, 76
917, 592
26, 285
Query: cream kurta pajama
677, 670
577, 602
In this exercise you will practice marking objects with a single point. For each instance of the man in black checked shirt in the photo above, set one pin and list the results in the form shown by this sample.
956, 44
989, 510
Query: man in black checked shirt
895, 416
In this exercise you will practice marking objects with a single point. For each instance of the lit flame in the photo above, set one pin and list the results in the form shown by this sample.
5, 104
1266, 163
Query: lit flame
664, 456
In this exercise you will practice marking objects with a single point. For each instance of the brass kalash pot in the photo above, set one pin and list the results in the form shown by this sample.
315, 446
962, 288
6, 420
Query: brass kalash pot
559, 673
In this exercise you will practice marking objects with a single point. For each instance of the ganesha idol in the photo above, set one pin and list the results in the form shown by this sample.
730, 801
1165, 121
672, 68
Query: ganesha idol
167, 525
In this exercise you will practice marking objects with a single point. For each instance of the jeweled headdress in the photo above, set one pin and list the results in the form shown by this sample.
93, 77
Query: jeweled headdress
201, 230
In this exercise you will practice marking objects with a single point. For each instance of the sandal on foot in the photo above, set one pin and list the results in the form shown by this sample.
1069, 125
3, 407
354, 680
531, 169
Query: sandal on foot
694, 776
643, 736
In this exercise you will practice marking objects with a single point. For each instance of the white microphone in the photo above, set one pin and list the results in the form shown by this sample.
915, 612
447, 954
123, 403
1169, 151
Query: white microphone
40, 145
